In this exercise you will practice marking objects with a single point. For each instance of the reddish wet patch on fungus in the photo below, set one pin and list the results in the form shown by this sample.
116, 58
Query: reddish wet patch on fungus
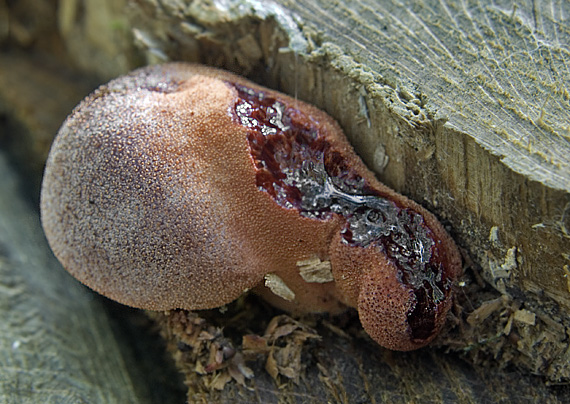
297, 166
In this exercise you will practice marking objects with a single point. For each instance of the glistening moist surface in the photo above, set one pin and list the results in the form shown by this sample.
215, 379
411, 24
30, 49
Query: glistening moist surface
300, 170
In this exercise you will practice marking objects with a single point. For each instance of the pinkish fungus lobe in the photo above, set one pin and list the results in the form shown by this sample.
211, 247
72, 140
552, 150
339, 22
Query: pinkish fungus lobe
181, 186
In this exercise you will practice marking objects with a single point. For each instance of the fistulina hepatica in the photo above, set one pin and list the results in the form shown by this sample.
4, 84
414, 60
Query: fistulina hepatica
182, 186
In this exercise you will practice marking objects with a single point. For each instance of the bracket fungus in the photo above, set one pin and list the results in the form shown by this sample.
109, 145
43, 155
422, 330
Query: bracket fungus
182, 186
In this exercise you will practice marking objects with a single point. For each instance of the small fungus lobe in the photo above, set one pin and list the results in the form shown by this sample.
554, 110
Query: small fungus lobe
180, 186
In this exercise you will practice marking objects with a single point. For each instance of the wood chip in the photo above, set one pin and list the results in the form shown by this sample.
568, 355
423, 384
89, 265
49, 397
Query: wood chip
220, 380
313, 270
525, 317
271, 366
278, 286
484, 311
254, 343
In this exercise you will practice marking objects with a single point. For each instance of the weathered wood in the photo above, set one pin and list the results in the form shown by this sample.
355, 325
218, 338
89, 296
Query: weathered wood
36, 100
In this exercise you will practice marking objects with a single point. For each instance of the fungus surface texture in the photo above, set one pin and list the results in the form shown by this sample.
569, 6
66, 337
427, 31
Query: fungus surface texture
182, 186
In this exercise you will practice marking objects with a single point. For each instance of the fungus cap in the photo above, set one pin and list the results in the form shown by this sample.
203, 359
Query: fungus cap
181, 186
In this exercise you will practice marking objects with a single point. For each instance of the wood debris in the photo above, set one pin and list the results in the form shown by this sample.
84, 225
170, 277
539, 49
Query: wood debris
206, 357
209, 360
485, 310
313, 270
525, 317
286, 337
278, 286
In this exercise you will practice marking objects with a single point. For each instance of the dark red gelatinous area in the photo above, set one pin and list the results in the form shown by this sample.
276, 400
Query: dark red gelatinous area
298, 167
282, 138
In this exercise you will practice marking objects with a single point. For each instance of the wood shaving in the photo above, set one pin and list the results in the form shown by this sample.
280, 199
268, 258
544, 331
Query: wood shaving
278, 286
313, 270
286, 337
485, 310
209, 360
525, 317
